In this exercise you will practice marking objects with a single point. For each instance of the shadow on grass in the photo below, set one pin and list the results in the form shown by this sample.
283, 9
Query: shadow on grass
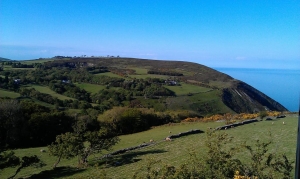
57, 172
123, 159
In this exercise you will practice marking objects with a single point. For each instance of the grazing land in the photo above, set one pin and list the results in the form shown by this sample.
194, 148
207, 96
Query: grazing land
110, 74
10, 94
185, 89
80, 105
47, 90
174, 153
161, 83
92, 88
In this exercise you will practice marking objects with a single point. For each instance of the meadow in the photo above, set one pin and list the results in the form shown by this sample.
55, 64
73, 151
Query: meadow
10, 94
185, 89
174, 152
47, 90
92, 88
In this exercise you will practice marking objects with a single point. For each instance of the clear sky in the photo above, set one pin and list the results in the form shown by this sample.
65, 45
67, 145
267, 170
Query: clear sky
216, 33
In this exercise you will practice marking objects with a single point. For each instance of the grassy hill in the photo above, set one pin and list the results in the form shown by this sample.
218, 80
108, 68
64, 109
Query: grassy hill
196, 87
235, 94
174, 153
144, 94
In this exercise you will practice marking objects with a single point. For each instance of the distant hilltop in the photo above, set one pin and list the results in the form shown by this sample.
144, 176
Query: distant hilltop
223, 90
4, 59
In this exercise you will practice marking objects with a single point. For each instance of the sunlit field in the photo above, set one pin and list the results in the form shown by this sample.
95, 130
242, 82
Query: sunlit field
174, 153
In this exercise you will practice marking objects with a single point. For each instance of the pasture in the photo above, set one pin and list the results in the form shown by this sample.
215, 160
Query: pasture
142, 73
174, 153
144, 76
47, 90
92, 88
207, 101
185, 89
10, 94
110, 74
42, 60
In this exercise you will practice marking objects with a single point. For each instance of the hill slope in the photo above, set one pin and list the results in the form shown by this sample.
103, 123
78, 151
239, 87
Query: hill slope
144, 83
234, 94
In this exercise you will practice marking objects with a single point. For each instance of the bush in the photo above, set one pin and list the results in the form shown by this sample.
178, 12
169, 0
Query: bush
263, 114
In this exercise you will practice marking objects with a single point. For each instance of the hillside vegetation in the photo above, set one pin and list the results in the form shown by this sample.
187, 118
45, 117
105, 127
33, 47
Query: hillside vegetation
165, 153
171, 85
83, 107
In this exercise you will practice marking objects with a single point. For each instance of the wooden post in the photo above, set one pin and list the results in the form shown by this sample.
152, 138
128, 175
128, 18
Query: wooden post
297, 167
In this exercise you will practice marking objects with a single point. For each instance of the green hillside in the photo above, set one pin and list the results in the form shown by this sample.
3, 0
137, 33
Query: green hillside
163, 85
79, 107
176, 152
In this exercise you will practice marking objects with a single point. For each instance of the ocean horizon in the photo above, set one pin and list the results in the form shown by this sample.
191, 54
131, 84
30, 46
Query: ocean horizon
282, 85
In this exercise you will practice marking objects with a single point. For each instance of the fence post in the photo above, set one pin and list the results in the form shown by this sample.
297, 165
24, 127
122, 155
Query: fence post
297, 167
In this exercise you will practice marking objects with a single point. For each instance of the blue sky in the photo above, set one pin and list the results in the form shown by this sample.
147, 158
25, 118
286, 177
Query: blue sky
221, 33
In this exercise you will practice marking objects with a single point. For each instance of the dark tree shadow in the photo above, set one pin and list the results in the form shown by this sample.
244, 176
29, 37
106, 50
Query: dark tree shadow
56, 173
123, 159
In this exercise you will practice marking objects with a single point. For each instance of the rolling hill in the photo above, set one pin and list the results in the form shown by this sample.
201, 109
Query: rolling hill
197, 87
161, 85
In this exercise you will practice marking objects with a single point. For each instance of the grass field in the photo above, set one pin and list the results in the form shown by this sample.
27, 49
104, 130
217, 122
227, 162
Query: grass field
92, 88
10, 94
51, 106
175, 152
47, 90
110, 74
144, 76
185, 89
208, 102
37, 61
140, 71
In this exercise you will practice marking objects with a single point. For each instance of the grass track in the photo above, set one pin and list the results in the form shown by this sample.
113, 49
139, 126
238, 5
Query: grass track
177, 151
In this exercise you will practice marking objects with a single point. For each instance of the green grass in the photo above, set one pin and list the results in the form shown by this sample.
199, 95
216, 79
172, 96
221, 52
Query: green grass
92, 88
47, 90
208, 102
37, 61
110, 74
10, 94
185, 89
7, 67
51, 106
140, 71
144, 76
175, 152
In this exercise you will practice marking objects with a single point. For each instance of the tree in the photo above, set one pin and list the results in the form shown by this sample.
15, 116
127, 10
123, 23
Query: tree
10, 120
82, 144
97, 141
66, 146
8, 159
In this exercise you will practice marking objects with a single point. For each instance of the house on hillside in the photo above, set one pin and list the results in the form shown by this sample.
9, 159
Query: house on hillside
17, 81
65, 81
170, 82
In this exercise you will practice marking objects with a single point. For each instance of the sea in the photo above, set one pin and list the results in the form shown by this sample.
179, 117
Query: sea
282, 85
